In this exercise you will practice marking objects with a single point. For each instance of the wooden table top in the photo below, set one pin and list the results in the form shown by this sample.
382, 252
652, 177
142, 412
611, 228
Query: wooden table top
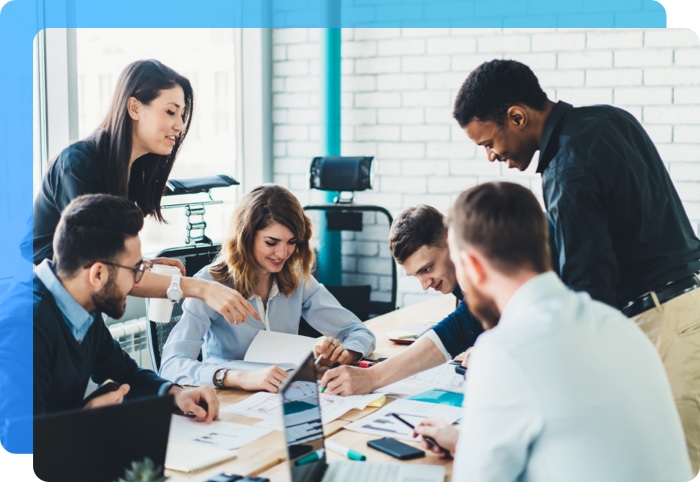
264, 456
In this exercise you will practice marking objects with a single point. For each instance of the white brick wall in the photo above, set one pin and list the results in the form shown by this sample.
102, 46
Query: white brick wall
399, 85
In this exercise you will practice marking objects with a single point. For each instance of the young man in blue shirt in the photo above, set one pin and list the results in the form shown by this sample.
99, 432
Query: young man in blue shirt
418, 242
97, 261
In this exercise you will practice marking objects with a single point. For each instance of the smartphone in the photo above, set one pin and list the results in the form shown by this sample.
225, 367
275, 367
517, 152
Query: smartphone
106, 387
396, 449
430, 440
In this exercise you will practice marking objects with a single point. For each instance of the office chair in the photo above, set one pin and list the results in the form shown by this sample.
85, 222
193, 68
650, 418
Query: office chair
364, 236
196, 256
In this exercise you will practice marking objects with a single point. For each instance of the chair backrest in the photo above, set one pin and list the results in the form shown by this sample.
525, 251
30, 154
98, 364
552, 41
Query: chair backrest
194, 258
369, 275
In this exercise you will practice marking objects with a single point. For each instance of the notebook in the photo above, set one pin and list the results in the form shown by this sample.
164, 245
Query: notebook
101, 443
189, 457
301, 417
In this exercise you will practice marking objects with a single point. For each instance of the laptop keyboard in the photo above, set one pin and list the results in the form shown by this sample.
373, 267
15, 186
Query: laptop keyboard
364, 471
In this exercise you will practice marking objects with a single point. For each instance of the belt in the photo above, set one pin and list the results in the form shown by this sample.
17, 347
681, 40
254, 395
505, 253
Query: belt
667, 293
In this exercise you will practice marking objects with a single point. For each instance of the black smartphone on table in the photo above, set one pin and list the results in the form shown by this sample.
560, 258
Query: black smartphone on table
396, 449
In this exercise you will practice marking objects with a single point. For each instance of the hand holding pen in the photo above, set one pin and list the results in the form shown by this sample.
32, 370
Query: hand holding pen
432, 443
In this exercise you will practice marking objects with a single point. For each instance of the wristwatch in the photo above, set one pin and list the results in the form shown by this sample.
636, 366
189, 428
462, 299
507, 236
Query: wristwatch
219, 377
174, 292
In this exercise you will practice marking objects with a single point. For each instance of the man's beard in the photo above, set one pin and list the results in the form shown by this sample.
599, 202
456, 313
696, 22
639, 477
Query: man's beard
109, 300
482, 306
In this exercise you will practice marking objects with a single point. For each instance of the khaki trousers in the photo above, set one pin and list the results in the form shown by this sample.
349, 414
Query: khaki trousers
674, 328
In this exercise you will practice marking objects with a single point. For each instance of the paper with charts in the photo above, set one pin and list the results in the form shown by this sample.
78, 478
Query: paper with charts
381, 422
222, 435
268, 406
442, 377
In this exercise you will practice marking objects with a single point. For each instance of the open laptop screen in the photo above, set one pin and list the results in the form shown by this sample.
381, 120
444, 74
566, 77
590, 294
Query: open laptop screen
302, 424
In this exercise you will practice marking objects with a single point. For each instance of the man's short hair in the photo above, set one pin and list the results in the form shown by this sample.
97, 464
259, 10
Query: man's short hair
94, 228
505, 223
421, 225
492, 88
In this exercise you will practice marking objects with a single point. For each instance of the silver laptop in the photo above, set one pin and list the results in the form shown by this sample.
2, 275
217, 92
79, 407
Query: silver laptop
305, 441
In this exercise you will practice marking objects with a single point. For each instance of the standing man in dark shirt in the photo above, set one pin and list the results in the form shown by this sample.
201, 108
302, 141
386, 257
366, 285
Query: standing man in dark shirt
619, 224
97, 261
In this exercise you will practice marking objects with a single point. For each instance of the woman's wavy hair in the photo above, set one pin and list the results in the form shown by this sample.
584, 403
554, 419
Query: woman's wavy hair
145, 185
259, 208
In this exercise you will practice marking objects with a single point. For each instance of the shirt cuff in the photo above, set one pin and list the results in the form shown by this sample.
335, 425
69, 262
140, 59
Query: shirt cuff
438, 343
164, 388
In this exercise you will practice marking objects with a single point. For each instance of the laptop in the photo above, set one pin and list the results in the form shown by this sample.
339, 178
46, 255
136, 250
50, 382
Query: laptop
99, 444
301, 411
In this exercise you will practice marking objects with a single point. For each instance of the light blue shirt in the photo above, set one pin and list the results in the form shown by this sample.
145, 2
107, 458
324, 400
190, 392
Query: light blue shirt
76, 317
203, 328
567, 389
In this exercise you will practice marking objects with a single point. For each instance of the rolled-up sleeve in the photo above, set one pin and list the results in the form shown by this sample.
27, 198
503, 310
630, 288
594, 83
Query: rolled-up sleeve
327, 315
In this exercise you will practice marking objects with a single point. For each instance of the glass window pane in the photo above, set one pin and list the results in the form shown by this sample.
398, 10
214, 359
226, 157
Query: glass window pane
207, 58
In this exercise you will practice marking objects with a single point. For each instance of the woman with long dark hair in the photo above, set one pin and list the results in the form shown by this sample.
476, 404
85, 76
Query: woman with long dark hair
131, 155
267, 258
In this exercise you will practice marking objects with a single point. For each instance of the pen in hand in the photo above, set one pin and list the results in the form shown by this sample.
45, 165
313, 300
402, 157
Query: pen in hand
428, 439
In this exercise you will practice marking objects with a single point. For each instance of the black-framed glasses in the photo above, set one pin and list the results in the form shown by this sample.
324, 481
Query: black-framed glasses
138, 271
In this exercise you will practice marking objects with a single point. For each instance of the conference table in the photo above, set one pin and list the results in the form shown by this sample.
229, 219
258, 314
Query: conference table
265, 456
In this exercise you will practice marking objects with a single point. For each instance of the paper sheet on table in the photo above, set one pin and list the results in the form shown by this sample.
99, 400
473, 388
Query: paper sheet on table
278, 348
221, 435
442, 377
192, 456
267, 406
381, 423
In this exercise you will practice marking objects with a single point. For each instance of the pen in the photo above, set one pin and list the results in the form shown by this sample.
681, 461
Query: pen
366, 363
430, 440
318, 359
407, 337
307, 459
342, 450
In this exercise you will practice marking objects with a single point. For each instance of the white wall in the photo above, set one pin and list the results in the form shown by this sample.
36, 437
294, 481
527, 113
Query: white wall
399, 85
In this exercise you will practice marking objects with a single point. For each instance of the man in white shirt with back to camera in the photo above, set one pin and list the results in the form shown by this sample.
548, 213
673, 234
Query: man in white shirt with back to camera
559, 387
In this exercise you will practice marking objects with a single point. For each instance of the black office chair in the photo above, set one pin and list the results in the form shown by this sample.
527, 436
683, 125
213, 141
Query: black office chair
195, 257
364, 237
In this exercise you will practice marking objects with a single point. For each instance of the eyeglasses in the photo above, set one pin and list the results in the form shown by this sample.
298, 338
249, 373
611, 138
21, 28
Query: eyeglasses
138, 272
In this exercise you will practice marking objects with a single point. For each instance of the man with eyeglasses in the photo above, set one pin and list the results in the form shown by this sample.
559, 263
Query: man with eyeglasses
97, 261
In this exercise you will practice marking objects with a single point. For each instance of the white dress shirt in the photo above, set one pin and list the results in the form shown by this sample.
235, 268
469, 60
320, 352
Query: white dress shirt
567, 389
202, 328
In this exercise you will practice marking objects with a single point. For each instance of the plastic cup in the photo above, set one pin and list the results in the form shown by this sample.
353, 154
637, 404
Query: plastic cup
161, 309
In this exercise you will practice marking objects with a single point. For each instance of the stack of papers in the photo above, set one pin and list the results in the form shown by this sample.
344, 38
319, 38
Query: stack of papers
442, 377
193, 446
383, 424
268, 406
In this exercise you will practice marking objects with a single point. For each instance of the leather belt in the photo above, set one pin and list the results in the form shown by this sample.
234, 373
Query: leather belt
667, 293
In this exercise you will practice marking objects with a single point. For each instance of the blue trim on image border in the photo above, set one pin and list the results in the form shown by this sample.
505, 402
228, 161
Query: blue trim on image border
20, 20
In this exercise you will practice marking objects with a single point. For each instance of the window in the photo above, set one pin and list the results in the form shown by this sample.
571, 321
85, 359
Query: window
91, 61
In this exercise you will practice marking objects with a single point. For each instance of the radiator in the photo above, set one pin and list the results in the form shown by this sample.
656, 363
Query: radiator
132, 335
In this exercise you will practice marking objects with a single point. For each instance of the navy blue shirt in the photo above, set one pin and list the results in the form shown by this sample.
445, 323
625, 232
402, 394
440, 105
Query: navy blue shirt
458, 330
619, 224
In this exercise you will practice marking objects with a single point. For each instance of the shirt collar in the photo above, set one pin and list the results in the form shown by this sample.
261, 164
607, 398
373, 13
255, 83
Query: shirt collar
274, 291
72, 312
544, 286
558, 111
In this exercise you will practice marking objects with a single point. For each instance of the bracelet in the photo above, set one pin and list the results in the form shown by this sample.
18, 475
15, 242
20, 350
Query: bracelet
167, 391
